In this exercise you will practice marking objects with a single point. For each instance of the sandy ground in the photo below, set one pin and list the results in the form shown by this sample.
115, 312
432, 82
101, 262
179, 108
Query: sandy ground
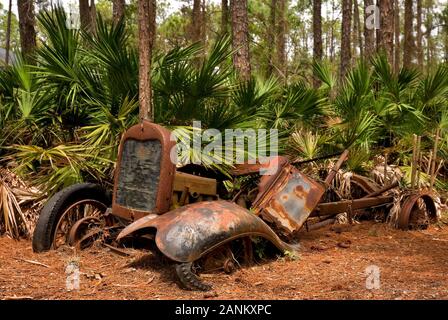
331, 265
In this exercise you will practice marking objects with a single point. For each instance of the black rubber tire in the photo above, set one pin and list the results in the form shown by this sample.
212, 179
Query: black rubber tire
188, 279
57, 204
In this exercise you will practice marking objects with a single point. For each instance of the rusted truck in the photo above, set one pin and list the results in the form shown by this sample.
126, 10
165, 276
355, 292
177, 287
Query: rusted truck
182, 212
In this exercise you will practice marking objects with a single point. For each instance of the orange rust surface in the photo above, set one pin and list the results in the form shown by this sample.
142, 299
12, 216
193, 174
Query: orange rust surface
142, 132
410, 202
186, 233
287, 207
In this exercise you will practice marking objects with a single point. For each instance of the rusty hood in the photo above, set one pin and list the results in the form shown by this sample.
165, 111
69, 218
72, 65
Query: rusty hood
187, 233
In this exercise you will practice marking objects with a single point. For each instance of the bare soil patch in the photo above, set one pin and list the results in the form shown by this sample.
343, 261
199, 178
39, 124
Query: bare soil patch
332, 265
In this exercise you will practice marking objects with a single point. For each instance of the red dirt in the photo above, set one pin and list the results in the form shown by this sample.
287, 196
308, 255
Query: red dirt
413, 265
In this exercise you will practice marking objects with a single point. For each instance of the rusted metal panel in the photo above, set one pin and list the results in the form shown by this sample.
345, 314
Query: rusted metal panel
139, 175
333, 208
187, 233
195, 184
289, 200
125, 205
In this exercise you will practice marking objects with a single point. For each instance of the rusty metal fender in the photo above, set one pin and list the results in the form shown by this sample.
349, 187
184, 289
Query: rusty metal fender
187, 233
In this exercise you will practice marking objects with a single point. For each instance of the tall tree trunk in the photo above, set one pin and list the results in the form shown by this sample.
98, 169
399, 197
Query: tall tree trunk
332, 37
118, 9
152, 24
87, 13
397, 37
84, 14
418, 28
429, 25
203, 23
92, 16
196, 21
369, 30
408, 46
387, 29
224, 16
357, 21
27, 22
281, 39
8, 33
240, 39
378, 32
271, 37
317, 35
345, 37
146, 36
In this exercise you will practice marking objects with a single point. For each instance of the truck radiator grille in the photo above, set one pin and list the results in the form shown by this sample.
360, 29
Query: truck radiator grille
139, 175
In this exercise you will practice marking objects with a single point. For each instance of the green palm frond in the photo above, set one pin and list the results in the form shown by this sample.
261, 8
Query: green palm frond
323, 72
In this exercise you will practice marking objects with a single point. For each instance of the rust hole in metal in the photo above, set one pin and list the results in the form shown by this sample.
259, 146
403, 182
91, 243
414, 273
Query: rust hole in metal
300, 192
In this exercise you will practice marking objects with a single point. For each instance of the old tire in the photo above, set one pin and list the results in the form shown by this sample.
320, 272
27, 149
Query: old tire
55, 207
188, 279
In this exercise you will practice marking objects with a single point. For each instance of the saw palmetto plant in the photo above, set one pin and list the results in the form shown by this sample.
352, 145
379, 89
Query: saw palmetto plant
61, 119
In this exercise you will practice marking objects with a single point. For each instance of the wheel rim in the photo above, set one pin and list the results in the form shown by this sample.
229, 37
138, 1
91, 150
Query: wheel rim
77, 211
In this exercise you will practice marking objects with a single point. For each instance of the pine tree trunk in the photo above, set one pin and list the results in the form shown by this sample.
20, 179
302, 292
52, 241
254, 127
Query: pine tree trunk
87, 14
27, 22
146, 36
224, 16
332, 37
84, 14
196, 21
271, 37
419, 34
408, 46
152, 25
281, 39
397, 37
429, 25
92, 16
8, 33
118, 10
203, 23
345, 37
387, 29
378, 32
240, 39
358, 33
317, 35
369, 31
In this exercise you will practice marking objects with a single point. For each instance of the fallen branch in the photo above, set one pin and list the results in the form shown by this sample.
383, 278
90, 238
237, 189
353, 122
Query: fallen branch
34, 262
121, 252
18, 298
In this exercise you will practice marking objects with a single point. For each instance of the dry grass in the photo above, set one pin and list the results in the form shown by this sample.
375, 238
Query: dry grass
19, 205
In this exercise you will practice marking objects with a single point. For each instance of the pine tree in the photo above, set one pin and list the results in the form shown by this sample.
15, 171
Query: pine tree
345, 37
240, 39
27, 23
317, 34
146, 36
